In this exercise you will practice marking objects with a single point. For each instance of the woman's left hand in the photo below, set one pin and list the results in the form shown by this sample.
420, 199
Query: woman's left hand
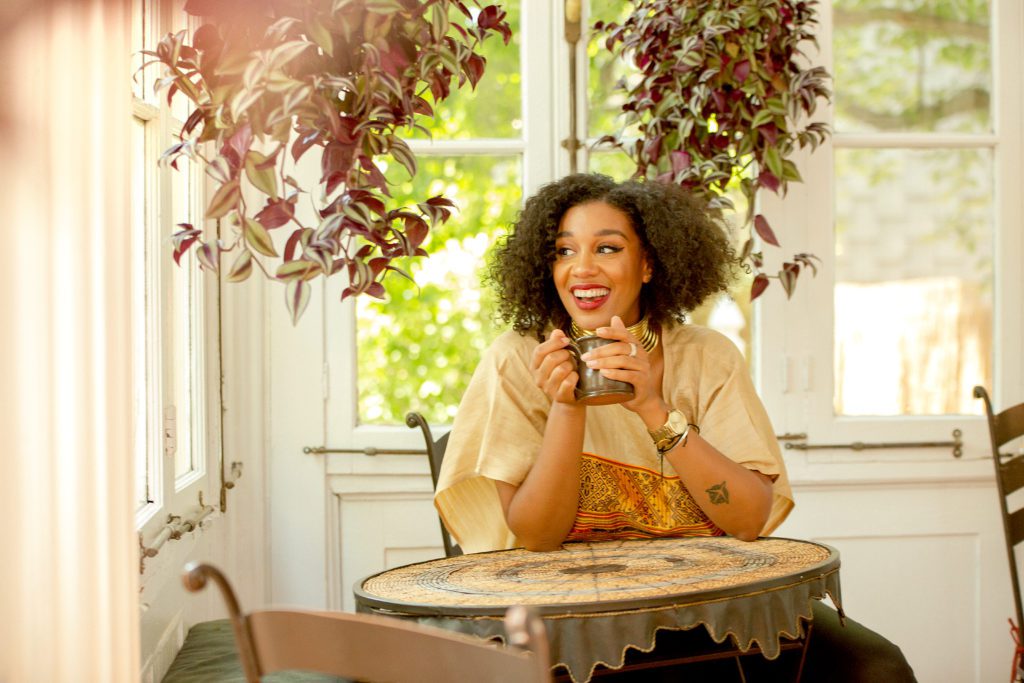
626, 361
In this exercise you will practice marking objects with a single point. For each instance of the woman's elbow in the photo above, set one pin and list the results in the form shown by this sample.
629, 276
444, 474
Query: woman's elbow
541, 546
747, 535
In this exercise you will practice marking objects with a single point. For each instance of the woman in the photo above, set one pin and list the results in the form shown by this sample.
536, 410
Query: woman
691, 453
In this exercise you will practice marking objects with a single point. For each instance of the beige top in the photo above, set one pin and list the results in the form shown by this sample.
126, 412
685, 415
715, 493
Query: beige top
500, 425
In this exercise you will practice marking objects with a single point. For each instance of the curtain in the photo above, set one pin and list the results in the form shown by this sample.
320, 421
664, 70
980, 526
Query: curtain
69, 558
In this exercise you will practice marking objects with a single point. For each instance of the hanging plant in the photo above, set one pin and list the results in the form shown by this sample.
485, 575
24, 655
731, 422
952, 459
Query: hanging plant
722, 93
273, 80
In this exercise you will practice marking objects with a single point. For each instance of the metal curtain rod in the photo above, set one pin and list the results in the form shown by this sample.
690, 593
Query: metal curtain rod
369, 450
956, 444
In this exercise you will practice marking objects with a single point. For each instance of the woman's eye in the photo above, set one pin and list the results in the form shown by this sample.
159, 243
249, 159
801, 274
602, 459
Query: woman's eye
562, 252
608, 249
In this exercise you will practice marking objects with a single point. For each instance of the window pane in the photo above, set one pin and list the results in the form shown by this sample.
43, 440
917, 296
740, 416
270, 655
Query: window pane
418, 349
494, 109
140, 375
913, 293
615, 164
186, 308
907, 65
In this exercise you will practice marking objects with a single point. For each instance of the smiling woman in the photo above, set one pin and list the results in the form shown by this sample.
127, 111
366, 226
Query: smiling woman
690, 452
589, 255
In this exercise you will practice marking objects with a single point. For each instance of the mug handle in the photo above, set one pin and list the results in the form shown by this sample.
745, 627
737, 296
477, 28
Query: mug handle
574, 349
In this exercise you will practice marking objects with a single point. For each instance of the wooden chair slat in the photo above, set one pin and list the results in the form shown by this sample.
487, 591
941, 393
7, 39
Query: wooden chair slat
1012, 474
1015, 521
1009, 424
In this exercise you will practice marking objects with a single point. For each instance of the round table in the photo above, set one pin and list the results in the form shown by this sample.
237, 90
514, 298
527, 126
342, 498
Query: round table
598, 599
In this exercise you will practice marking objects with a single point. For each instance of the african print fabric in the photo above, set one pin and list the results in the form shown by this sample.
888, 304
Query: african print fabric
619, 501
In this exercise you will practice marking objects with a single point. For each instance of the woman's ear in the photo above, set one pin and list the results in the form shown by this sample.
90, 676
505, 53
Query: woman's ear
648, 270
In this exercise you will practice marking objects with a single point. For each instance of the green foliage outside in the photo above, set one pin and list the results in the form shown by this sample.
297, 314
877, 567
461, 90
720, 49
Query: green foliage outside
914, 65
418, 348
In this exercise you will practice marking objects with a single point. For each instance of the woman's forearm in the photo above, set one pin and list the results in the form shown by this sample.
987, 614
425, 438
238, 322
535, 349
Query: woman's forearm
541, 510
736, 499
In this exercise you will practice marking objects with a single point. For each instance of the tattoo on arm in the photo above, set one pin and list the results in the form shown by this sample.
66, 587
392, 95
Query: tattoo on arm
718, 494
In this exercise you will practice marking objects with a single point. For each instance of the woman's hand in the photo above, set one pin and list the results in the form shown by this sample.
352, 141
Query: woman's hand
554, 369
628, 362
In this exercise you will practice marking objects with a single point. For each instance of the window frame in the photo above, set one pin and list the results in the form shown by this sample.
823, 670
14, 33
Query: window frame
796, 336
180, 320
543, 160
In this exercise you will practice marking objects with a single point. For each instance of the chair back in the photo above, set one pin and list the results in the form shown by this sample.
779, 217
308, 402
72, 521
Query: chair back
1004, 427
435, 454
370, 647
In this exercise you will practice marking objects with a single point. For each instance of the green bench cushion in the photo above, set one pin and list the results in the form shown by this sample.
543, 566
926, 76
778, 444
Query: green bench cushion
209, 656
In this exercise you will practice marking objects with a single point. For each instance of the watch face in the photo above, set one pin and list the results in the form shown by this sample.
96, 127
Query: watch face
676, 421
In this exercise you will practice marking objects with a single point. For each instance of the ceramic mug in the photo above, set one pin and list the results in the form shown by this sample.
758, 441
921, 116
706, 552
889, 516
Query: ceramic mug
593, 388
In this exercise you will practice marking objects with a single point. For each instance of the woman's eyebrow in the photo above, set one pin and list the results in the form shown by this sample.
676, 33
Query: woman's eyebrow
599, 233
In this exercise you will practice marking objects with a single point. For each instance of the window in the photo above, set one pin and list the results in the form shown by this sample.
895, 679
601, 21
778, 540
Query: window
907, 206
174, 329
417, 349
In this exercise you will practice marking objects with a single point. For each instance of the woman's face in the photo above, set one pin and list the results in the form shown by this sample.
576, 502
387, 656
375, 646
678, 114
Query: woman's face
599, 265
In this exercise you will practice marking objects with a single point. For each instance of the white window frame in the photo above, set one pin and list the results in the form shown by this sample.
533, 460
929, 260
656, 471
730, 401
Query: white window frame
795, 336
543, 160
180, 321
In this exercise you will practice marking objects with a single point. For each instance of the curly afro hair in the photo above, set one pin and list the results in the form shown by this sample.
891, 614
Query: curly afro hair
688, 248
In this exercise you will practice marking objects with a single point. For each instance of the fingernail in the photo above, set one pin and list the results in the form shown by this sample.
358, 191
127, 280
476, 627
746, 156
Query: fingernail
591, 363
588, 355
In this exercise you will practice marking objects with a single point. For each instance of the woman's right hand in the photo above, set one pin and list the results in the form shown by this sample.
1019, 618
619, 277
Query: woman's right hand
554, 369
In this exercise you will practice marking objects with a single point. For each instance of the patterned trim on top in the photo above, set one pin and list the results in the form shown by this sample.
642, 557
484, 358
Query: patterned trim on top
619, 501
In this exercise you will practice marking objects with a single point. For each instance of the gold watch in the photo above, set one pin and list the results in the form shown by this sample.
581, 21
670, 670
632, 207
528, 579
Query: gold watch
675, 429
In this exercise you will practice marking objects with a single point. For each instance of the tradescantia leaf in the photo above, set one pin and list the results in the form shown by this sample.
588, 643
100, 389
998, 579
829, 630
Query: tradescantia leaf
764, 230
224, 200
261, 172
241, 269
258, 237
787, 277
297, 298
758, 286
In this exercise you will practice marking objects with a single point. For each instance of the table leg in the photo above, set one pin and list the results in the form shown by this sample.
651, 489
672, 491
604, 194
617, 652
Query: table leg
803, 651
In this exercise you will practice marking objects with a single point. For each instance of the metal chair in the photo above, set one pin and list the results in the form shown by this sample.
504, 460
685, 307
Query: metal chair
1005, 427
370, 647
435, 454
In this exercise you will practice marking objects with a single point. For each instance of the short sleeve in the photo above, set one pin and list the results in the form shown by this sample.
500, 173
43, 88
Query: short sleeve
496, 435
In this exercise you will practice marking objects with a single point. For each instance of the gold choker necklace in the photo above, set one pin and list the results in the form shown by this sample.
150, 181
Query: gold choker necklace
642, 331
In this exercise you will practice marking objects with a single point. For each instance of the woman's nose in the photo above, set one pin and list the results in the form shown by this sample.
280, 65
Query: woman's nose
584, 264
